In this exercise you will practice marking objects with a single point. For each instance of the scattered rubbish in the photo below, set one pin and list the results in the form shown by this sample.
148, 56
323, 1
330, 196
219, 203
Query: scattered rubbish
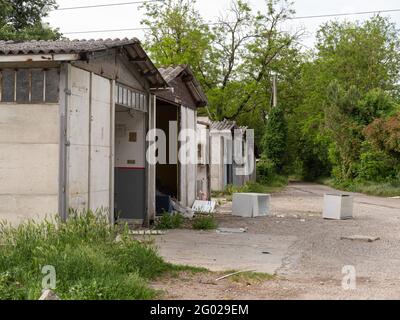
186, 212
266, 252
49, 295
234, 274
231, 230
361, 238
204, 206
147, 232
280, 216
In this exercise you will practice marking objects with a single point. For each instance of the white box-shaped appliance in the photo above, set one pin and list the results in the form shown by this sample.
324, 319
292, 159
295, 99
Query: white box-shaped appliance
251, 205
338, 206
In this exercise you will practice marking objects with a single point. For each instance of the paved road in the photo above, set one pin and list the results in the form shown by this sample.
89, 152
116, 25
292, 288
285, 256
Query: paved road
313, 264
306, 251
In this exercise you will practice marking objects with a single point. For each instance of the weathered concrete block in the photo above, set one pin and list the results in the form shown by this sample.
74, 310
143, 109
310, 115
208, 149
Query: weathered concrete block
251, 205
338, 207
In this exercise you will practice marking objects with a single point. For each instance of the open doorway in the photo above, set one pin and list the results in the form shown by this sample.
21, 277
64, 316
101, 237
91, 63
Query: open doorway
167, 175
130, 165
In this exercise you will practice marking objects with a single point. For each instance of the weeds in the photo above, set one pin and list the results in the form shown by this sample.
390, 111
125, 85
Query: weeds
89, 263
170, 221
205, 222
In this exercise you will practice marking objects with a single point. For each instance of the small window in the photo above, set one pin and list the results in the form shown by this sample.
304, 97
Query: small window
23, 85
52, 85
30, 85
37, 80
8, 86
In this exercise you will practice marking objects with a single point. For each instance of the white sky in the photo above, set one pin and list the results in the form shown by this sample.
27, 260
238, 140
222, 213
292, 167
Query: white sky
128, 16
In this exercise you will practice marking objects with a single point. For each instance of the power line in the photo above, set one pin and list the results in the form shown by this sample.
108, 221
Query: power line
106, 5
215, 23
344, 14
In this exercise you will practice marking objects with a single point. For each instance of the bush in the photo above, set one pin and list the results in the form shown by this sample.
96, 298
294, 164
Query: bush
266, 170
376, 166
170, 221
89, 263
205, 223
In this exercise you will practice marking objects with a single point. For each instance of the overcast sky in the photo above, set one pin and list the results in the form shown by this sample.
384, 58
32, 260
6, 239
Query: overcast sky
128, 16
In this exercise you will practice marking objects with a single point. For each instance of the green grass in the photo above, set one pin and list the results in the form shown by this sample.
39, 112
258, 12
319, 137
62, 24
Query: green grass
273, 186
381, 189
168, 221
89, 263
205, 222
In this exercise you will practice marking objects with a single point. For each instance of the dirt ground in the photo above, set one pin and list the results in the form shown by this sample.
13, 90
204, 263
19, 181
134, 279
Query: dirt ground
311, 264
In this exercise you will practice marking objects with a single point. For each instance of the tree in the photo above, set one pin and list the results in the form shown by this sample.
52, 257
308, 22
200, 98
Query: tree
23, 20
354, 57
178, 35
275, 138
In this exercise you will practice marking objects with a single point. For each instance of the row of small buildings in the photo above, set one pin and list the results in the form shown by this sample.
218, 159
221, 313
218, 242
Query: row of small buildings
75, 124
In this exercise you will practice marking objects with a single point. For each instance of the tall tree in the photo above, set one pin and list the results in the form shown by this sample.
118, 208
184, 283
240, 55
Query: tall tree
23, 20
178, 35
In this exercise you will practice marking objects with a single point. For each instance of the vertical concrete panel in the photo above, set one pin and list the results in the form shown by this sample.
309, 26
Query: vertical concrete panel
28, 161
183, 168
100, 143
191, 167
78, 136
151, 183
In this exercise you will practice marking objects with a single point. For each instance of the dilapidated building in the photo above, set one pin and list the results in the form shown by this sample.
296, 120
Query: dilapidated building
74, 117
178, 104
232, 155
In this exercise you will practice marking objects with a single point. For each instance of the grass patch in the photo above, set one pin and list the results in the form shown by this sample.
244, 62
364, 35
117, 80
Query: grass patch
381, 189
276, 185
170, 221
205, 222
89, 263
249, 277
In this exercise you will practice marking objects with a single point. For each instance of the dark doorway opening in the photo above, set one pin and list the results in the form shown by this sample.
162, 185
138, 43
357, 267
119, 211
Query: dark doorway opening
167, 175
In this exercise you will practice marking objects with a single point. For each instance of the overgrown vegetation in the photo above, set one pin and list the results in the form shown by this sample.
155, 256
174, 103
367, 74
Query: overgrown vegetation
204, 222
338, 111
170, 221
88, 261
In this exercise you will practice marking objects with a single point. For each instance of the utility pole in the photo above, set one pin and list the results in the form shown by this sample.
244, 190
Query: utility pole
274, 90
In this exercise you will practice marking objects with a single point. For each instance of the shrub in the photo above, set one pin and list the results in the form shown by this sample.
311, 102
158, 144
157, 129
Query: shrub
170, 221
205, 223
375, 166
266, 170
89, 263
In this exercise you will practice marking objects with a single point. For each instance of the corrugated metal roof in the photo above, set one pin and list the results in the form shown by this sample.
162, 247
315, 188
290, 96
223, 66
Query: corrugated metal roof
65, 46
172, 72
225, 125
61, 46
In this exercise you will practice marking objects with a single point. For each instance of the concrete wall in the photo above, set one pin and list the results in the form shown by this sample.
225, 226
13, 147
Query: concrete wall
188, 172
202, 174
89, 130
217, 160
100, 143
28, 161
125, 150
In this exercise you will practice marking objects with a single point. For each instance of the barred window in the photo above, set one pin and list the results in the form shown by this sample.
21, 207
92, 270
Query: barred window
131, 98
29, 85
